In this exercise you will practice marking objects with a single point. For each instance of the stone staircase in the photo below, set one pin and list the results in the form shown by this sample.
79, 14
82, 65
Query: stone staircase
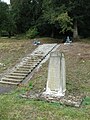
27, 65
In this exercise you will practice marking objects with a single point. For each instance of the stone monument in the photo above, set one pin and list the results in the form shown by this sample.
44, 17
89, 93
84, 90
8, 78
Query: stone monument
68, 41
56, 84
56, 81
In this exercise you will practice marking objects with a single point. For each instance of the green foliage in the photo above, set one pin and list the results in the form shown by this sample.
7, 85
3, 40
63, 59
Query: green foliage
65, 22
7, 23
79, 10
3, 15
86, 101
30, 85
56, 14
52, 16
32, 32
26, 13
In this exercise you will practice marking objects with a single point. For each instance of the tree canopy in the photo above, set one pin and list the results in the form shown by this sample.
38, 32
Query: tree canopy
7, 23
50, 17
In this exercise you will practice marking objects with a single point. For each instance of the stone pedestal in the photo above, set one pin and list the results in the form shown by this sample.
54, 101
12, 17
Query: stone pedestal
56, 82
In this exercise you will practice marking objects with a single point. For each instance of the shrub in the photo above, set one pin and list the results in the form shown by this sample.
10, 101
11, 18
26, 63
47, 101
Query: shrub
32, 32
4, 33
30, 85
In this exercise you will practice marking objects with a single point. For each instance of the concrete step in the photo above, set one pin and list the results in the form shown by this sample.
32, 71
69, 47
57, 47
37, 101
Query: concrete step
25, 66
31, 65
23, 69
24, 72
15, 77
31, 62
39, 56
11, 80
28, 63
35, 60
9, 83
18, 74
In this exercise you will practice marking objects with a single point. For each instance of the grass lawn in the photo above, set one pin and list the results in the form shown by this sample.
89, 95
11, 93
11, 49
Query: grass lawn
12, 50
13, 107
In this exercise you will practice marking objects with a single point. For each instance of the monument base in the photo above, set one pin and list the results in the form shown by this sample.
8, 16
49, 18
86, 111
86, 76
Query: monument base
67, 43
69, 99
50, 93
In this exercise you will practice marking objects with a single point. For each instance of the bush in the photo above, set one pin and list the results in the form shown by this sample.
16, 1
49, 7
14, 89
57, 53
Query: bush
32, 32
3, 33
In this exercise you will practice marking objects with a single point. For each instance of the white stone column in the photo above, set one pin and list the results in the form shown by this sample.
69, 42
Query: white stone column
56, 81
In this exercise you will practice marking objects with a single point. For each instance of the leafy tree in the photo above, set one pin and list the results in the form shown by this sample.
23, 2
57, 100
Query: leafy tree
78, 11
26, 13
10, 24
55, 13
32, 32
51, 16
3, 15
6, 19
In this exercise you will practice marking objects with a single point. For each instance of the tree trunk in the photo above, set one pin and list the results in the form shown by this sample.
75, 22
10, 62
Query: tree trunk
75, 30
52, 33
9, 34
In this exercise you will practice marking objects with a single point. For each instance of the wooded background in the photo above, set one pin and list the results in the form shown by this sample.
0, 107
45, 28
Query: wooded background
53, 18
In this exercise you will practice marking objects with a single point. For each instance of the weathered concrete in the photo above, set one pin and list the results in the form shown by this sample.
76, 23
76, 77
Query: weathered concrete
74, 100
56, 82
27, 65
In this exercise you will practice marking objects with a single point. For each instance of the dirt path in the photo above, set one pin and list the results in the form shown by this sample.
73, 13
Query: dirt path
6, 88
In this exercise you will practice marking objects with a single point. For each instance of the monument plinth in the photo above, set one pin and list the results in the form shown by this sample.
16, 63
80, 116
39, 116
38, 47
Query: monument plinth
56, 81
